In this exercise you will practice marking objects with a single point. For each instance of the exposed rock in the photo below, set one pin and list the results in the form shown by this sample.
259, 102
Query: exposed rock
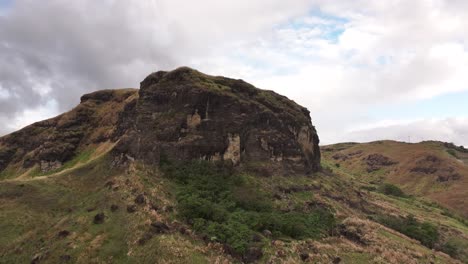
425, 170
344, 156
267, 233
450, 177
340, 156
304, 256
193, 120
47, 166
99, 218
253, 254
184, 115
63, 233
145, 238
377, 161
179, 115
183, 230
37, 258
6, 155
51, 143
114, 208
427, 165
140, 199
159, 227
336, 260
355, 153
433, 165
131, 208
232, 152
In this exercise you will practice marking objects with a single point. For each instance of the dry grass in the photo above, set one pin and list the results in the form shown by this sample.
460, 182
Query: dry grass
451, 193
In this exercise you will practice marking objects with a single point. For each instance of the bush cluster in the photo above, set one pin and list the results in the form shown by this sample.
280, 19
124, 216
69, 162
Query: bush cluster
390, 189
227, 208
425, 232
453, 153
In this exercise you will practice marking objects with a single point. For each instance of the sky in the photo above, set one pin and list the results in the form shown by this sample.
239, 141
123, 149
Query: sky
367, 70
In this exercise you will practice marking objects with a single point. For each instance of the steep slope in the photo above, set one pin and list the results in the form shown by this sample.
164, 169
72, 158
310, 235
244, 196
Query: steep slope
98, 213
61, 142
432, 170
194, 168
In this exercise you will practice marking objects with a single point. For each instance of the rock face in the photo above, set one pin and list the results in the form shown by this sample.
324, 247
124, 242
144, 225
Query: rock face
179, 115
184, 115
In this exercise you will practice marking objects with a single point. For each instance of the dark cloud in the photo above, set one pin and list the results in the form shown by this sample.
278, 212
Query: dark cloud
69, 49
58, 50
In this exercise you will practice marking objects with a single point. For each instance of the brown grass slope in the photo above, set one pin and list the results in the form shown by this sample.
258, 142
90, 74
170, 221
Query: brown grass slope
53, 220
433, 170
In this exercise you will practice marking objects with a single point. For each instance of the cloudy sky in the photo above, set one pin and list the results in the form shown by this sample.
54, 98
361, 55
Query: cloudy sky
367, 70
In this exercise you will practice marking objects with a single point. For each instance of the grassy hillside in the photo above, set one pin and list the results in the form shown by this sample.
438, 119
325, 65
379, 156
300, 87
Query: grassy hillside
404, 180
94, 212
431, 170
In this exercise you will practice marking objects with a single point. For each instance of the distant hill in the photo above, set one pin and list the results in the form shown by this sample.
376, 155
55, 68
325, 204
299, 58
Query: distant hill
433, 170
193, 168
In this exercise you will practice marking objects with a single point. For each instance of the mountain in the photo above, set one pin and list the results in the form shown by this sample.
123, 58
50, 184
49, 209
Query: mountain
192, 168
180, 115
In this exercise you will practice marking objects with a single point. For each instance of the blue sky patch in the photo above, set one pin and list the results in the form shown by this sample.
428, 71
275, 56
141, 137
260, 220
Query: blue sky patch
5, 5
331, 27
443, 106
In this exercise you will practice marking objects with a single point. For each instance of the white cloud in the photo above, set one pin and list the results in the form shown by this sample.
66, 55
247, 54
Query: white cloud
338, 58
447, 130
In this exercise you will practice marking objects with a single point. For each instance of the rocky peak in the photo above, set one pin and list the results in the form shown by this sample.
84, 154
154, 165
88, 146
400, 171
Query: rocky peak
184, 114
178, 115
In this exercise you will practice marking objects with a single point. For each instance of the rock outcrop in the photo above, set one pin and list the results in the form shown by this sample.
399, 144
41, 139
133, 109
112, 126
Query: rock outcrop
178, 115
50, 143
184, 115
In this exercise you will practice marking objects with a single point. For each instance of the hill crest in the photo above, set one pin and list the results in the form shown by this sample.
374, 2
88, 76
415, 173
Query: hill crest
182, 115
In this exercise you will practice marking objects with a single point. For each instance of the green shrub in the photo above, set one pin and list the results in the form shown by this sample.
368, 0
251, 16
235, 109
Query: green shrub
225, 207
390, 189
450, 248
452, 152
425, 232
369, 188
456, 248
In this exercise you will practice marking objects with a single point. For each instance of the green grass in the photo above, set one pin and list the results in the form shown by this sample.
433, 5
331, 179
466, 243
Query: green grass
82, 157
425, 232
227, 208
456, 248
7, 173
33, 212
357, 258
453, 153
390, 189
